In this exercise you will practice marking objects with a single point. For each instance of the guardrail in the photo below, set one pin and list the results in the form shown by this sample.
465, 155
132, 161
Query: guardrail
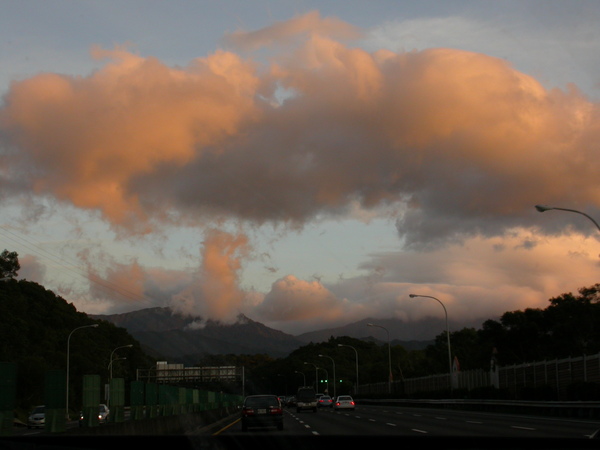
576, 409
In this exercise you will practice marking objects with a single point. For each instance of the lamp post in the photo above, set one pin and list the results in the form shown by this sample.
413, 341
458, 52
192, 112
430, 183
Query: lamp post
447, 333
334, 379
356, 353
95, 325
303, 376
316, 374
111, 357
389, 355
542, 208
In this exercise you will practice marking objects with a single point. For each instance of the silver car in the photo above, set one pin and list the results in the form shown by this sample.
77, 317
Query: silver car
37, 417
344, 402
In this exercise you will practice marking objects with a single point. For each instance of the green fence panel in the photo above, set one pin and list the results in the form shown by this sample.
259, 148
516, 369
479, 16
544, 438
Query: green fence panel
136, 399
91, 400
117, 400
8, 387
151, 400
55, 391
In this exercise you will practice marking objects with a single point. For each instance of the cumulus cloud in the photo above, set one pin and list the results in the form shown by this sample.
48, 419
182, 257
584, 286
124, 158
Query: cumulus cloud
461, 143
214, 293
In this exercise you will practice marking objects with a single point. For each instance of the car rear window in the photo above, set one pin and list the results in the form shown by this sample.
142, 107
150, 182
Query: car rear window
262, 401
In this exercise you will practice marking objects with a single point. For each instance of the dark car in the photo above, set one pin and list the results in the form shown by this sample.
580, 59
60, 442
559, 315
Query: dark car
306, 398
262, 411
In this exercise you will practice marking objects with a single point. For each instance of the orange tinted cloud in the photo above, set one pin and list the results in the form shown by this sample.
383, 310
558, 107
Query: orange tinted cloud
215, 294
446, 133
461, 143
84, 139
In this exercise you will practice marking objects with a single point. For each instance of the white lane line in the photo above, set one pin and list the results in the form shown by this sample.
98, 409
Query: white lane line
419, 431
523, 428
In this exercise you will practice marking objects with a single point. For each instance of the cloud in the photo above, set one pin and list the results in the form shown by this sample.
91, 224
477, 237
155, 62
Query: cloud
214, 293
465, 143
289, 32
460, 144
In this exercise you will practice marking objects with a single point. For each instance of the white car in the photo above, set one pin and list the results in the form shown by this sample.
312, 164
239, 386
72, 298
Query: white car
344, 402
37, 417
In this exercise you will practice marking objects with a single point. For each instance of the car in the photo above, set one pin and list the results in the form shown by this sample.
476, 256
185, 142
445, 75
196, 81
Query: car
290, 401
103, 415
344, 402
37, 417
325, 400
262, 411
306, 398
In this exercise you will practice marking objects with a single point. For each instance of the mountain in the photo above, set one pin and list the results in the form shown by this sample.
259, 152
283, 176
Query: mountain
412, 336
176, 338
182, 339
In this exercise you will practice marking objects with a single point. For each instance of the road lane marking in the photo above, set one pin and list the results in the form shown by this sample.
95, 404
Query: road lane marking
419, 431
523, 428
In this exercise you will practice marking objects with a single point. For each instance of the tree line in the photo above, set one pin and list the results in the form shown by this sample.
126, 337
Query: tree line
568, 326
35, 325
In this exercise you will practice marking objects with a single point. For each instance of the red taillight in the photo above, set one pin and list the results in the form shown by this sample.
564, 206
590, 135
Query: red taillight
248, 411
276, 411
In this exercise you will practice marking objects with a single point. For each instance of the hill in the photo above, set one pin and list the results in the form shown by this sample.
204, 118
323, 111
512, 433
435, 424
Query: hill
177, 338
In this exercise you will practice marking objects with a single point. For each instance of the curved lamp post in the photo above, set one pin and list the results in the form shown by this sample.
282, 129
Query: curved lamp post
389, 355
111, 357
542, 208
316, 375
95, 325
356, 353
325, 356
303, 376
447, 332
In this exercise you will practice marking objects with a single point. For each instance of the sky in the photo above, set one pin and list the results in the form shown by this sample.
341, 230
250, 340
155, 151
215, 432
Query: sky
307, 164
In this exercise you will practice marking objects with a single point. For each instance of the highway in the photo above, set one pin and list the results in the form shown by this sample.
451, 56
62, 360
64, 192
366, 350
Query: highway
402, 421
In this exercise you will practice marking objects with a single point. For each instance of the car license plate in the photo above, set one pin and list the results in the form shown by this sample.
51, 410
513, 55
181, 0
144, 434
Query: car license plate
262, 411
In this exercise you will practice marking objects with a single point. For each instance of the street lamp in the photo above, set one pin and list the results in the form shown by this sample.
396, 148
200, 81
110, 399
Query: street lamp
316, 374
110, 364
542, 208
325, 356
303, 376
447, 332
95, 325
111, 357
389, 355
356, 353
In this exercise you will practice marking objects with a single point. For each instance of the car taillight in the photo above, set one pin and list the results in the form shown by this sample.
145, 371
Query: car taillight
248, 411
276, 411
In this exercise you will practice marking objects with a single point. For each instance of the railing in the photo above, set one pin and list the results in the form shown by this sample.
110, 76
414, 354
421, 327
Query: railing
557, 376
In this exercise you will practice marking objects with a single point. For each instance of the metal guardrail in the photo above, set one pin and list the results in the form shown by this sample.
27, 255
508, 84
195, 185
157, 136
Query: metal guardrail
580, 409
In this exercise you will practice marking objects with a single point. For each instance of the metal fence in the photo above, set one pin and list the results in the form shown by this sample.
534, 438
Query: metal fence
557, 376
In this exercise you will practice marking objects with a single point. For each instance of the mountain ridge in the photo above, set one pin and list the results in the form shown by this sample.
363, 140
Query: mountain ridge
166, 334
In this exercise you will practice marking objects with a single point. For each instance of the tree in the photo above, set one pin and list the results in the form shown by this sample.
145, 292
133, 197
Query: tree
9, 264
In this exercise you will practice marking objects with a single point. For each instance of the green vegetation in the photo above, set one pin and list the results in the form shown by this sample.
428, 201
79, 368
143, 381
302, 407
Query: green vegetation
569, 326
34, 328
35, 325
